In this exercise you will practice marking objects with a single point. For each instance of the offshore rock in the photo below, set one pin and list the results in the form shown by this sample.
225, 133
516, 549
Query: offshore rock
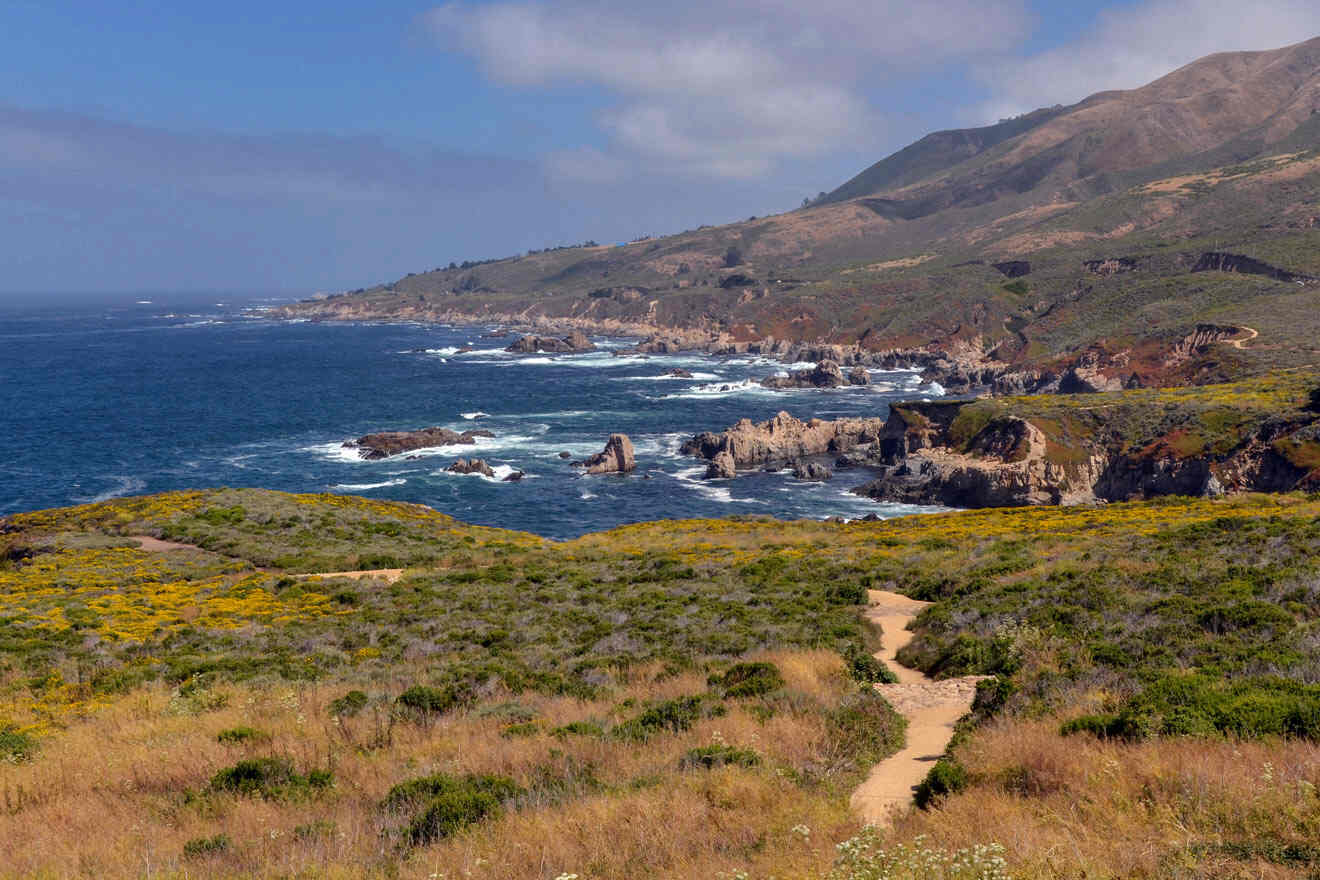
721, 467
572, 343
811, 471
825, 374
783, 439
387, 443
859, 376
471, 466
616, 458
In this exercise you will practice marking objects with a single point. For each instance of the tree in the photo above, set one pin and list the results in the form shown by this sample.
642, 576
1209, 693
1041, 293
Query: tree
733, 257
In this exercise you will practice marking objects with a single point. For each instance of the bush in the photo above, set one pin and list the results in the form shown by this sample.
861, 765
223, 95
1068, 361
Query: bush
349, 705
719, 755
15, 746
946, 777
205, 847
578, 728
525, 728
866, 728
423, 702
271, 777
866, 669
238, 735
450, 812
749, 680
673, 716
445, 804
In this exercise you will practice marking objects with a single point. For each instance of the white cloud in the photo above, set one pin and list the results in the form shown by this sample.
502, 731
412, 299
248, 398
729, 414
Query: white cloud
1133, 45
726, 88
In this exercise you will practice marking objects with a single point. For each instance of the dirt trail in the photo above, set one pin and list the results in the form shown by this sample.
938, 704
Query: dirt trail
931, 708
1252, 333
156, 545
388, 575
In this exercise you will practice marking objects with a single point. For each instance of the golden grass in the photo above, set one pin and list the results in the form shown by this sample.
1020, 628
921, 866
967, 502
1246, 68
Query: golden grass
1076, 807
109, 795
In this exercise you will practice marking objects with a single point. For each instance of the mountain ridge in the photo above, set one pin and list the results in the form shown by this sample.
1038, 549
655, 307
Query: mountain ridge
1217, 157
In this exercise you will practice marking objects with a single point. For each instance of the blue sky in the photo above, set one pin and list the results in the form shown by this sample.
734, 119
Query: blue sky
307, 146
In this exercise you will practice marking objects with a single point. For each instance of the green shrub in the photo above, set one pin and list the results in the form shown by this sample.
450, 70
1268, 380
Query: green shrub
270, 777
866, 728
866, 669
411, 794
946, 777
15, 746
672, 716
578, 728
205, 847
349, 705
719, 755
423, 702
526, 728
238, 735
450, 812
443, 804
749, 680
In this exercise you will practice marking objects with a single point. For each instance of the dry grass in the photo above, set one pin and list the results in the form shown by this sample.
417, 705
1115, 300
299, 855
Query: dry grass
1076, 807
120, 792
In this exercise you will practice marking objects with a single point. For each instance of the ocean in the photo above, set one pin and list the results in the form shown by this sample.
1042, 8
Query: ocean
128, 398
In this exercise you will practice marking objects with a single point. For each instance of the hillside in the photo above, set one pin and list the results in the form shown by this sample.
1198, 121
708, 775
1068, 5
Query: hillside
680, 699
1109, 229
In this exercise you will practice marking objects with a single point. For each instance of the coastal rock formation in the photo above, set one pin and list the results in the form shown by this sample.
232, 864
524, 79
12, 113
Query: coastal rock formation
825, 374
570, 344
859, 376
471, 466
387, 443
930, 453
679, 373
783, 439
811, 471
721, 467
616, 458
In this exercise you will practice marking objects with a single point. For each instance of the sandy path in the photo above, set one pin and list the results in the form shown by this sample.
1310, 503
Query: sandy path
931, 708
388, 575
1242, 343
156, 545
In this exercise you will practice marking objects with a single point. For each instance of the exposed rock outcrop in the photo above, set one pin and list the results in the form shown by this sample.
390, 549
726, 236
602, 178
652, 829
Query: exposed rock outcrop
721, 467
616, 458
471, 466
811, 471
859, 376
387, 443
825, 374
679, 373
573, 342
783, 439
1011, 462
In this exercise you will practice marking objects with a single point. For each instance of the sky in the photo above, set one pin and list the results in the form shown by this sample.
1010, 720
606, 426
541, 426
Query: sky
301, 146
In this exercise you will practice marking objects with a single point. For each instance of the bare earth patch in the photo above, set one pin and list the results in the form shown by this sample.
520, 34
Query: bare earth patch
931, 708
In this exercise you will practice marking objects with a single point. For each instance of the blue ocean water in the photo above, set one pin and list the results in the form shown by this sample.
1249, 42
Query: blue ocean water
135, 397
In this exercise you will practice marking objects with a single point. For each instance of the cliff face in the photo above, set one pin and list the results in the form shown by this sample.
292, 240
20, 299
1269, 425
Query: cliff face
959, 455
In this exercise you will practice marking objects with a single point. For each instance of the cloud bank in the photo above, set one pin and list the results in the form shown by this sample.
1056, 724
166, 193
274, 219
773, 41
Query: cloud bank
726, 88
1130, 46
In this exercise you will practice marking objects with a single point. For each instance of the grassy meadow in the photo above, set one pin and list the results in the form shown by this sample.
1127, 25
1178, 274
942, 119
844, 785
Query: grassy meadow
678, 699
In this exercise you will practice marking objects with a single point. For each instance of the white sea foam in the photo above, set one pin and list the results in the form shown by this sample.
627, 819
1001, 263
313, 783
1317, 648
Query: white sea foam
935, 389
500, 471
721, 389
123, 486
362, 487
475, 415
587, 496
691, 478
